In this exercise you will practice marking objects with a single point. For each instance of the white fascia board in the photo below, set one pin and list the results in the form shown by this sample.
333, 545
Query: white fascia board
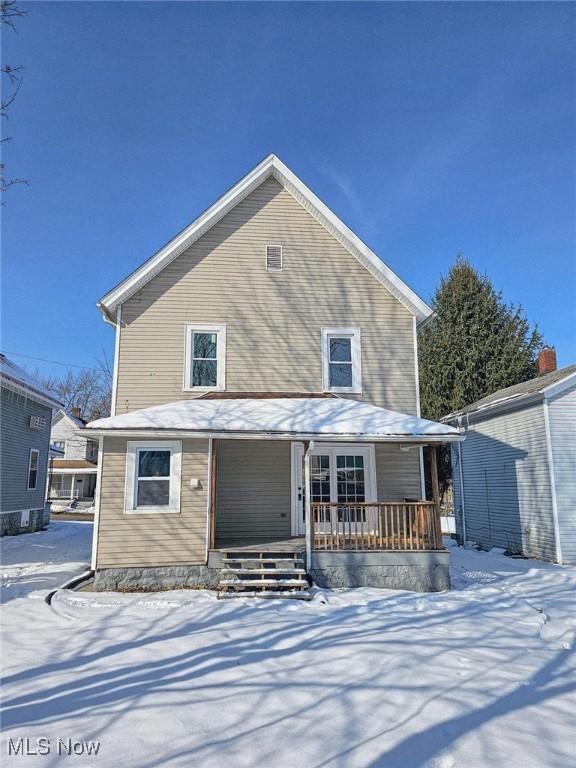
559, 386
68, 471
270, 166
348, 438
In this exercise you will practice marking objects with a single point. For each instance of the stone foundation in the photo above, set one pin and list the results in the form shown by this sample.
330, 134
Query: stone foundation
415, 571
11, 522
156, 579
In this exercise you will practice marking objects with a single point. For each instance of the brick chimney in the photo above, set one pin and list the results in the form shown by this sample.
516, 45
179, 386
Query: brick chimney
76, 412
546, 360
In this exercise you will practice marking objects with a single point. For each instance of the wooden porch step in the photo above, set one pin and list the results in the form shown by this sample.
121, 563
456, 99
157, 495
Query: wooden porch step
302, 594
256, 557
263, 583
271, 571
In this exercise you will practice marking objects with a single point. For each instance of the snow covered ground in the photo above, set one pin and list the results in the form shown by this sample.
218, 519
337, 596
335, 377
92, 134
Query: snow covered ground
484, 675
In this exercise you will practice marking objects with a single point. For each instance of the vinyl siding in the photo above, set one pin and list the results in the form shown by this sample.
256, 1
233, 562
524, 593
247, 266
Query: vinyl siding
16, 440
507, 483
76, 444
397, 473
254, 486
273, 320
253, 490
152, 539
562, 415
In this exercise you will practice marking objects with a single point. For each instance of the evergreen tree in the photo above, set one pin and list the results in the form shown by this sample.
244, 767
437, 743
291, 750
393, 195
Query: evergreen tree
475, 344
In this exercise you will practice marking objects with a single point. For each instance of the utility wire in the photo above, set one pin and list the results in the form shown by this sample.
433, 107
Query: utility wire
56, 362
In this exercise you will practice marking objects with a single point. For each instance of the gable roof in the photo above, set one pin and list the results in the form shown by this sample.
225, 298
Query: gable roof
17, 379
273, 167
64, 414
547, 384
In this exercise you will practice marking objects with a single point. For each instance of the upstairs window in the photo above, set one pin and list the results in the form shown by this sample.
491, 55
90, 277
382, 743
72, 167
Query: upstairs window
92, 450
205, 357
33, 469
341, 360
274, 258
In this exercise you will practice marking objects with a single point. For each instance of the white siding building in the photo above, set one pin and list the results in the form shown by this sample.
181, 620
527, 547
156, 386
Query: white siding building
515, 473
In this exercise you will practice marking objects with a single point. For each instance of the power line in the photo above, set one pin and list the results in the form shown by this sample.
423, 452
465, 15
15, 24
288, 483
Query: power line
56, 362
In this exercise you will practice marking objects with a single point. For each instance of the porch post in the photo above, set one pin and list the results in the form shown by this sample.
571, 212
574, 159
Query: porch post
308, 507
213, 470
72, 487
434, 473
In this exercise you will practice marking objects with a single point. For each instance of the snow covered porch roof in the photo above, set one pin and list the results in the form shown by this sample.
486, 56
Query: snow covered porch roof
277, 418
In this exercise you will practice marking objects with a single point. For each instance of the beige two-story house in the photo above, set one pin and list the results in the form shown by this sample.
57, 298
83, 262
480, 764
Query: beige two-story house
265, 425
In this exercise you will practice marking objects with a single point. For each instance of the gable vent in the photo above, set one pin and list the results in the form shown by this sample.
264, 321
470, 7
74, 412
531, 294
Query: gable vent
274, 258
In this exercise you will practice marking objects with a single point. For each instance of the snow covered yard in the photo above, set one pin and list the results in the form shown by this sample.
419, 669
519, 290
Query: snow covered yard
482, 676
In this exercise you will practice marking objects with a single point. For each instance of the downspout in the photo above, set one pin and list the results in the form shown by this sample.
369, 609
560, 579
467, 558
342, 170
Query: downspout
461, 474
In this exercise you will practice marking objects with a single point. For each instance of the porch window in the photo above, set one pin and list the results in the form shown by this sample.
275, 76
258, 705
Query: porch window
341, 360
205, 357
33, 469
153, 471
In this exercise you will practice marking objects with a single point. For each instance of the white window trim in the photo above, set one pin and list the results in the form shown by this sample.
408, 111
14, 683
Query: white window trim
272, 245
32, 452
342, 449
220, 330
354, 334
130, 491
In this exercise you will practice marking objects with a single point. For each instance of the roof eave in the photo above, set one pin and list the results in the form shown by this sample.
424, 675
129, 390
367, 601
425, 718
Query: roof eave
220, 435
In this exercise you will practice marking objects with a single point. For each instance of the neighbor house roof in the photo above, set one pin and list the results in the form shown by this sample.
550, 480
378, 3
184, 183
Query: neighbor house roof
304, 418
521, 393
62, 413
270, 167
19, 380
79, 464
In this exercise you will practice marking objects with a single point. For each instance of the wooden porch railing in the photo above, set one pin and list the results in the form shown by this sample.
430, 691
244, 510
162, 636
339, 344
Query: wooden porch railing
382, 525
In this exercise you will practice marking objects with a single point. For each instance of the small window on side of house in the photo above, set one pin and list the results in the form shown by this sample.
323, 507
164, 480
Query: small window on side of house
153, 476
341, 360
205, 357
33, 469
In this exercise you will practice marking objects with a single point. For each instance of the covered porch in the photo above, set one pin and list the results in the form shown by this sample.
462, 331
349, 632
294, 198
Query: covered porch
321, 496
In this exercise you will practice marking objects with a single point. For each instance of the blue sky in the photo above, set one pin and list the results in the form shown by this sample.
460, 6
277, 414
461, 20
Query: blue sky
429, 128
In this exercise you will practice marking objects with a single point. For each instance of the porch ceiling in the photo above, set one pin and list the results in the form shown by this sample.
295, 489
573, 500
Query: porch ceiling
278, 418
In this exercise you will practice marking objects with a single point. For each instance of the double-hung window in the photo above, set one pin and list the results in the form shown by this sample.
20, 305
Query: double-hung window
33, 469
341, 361
205, 357
153, 474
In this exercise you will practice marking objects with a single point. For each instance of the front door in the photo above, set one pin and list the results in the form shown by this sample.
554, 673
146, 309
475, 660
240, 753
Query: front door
340, 474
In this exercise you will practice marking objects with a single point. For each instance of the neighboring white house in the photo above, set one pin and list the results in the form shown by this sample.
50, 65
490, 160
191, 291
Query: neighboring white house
73, 459
515, 473
25, 417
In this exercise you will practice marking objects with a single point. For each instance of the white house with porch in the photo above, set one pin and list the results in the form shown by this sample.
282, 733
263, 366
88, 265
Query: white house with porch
73, 462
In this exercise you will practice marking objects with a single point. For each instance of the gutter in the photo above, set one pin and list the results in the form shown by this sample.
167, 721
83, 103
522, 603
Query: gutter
347, 438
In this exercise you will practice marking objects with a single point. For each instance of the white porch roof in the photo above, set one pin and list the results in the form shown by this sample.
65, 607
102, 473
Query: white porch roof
277, 418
